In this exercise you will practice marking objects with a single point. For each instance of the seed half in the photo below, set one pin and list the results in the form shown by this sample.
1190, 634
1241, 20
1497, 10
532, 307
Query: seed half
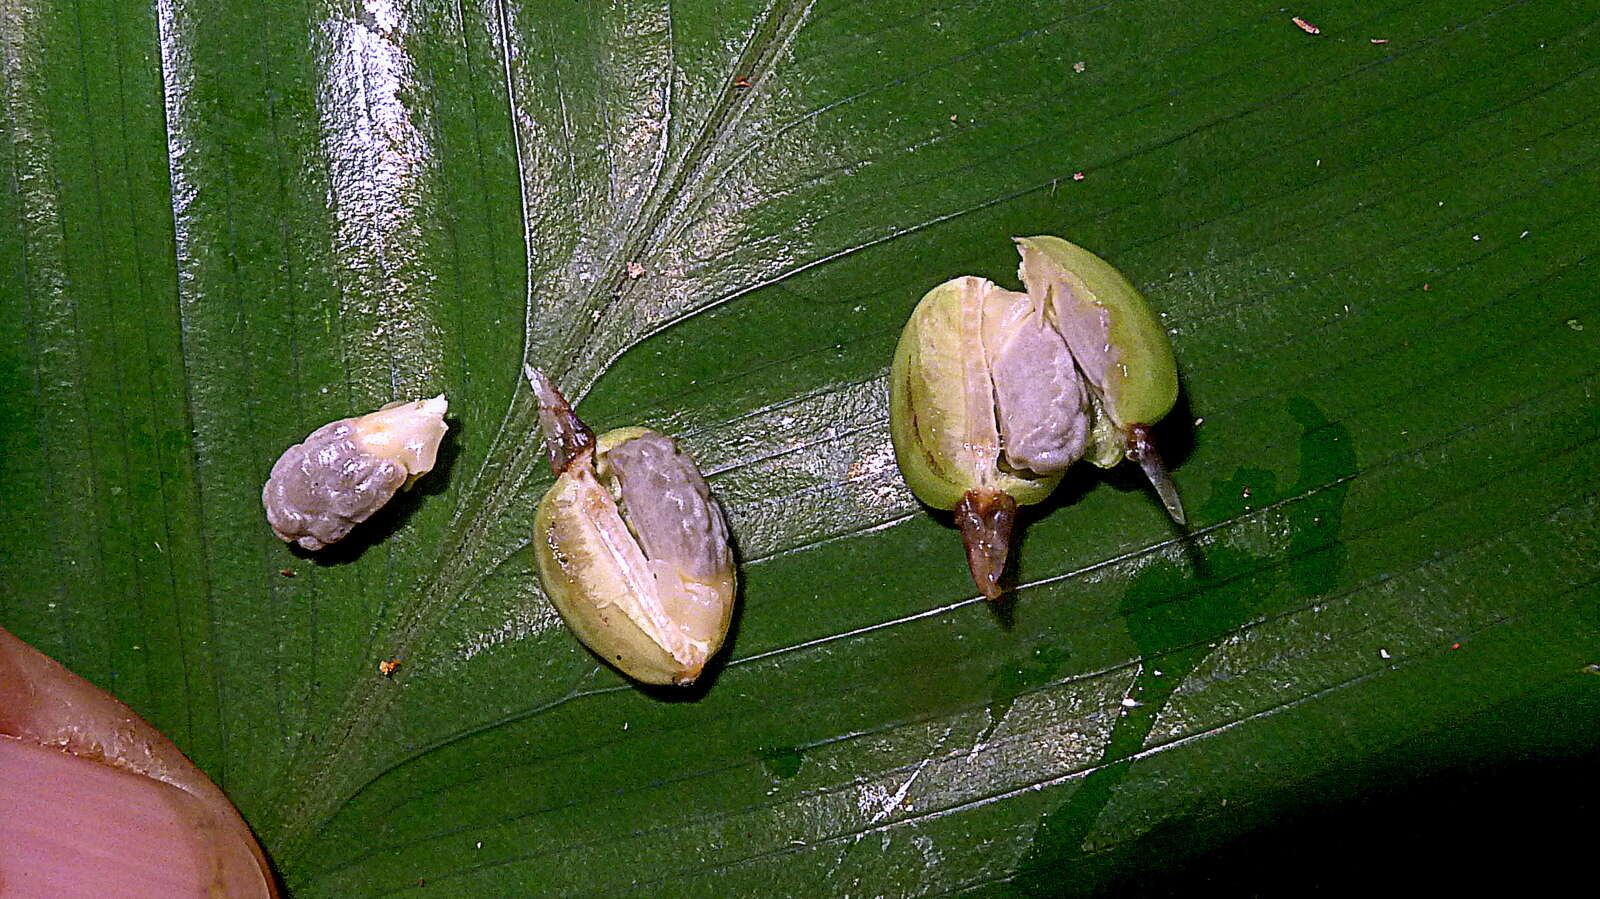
1120, 346
632, 549
987, 410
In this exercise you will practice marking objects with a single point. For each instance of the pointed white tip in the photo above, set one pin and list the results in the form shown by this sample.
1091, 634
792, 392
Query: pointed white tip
543, 388
1161, 480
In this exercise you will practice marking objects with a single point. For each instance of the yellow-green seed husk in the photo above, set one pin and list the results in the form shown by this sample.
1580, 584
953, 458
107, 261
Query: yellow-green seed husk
928, 410
653, 622
1141, 384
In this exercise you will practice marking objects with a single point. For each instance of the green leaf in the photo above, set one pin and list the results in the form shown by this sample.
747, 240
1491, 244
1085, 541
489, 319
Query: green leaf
228, 222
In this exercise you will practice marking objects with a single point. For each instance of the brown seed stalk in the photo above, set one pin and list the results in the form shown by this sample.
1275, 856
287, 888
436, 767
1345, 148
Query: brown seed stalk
566, 436
986, 518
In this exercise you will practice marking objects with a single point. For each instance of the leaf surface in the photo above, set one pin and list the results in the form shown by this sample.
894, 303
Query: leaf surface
230, 222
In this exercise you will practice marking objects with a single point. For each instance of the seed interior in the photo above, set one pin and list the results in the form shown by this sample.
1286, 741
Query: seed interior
1039, 400
616, 556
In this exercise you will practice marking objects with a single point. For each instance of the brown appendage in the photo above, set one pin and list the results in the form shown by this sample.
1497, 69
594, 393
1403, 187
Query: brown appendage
566, 436
1143, 451
986, 518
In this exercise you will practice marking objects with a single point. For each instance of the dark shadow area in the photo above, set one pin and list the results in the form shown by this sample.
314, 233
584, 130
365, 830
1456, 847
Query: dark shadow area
393, 516
1175, 435
1494, 796
1175, 616
1004, 609
1081, 478
1524, 820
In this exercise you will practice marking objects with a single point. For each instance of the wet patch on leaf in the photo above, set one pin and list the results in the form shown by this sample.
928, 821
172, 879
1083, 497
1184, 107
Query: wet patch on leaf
782, 762
1176, 615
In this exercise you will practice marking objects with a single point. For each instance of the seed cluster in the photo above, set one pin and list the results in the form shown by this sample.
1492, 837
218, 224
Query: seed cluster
994, 394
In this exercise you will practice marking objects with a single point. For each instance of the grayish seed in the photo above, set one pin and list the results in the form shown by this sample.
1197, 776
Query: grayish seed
669, 507
348, 469
322, 488
1040, 404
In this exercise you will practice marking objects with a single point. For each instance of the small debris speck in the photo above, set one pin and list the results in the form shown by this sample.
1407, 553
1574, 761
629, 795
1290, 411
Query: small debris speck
1477, 237
1522, 235
1078, 66
1305, 26
1574, 324
635, 271
952, 118
1245, 493
1155, 673
286, 572
1455, 646
1379, 40
741, 82
1199, 421
1128, 702
388, 666
1077, 176
1427, 287
1384, 654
